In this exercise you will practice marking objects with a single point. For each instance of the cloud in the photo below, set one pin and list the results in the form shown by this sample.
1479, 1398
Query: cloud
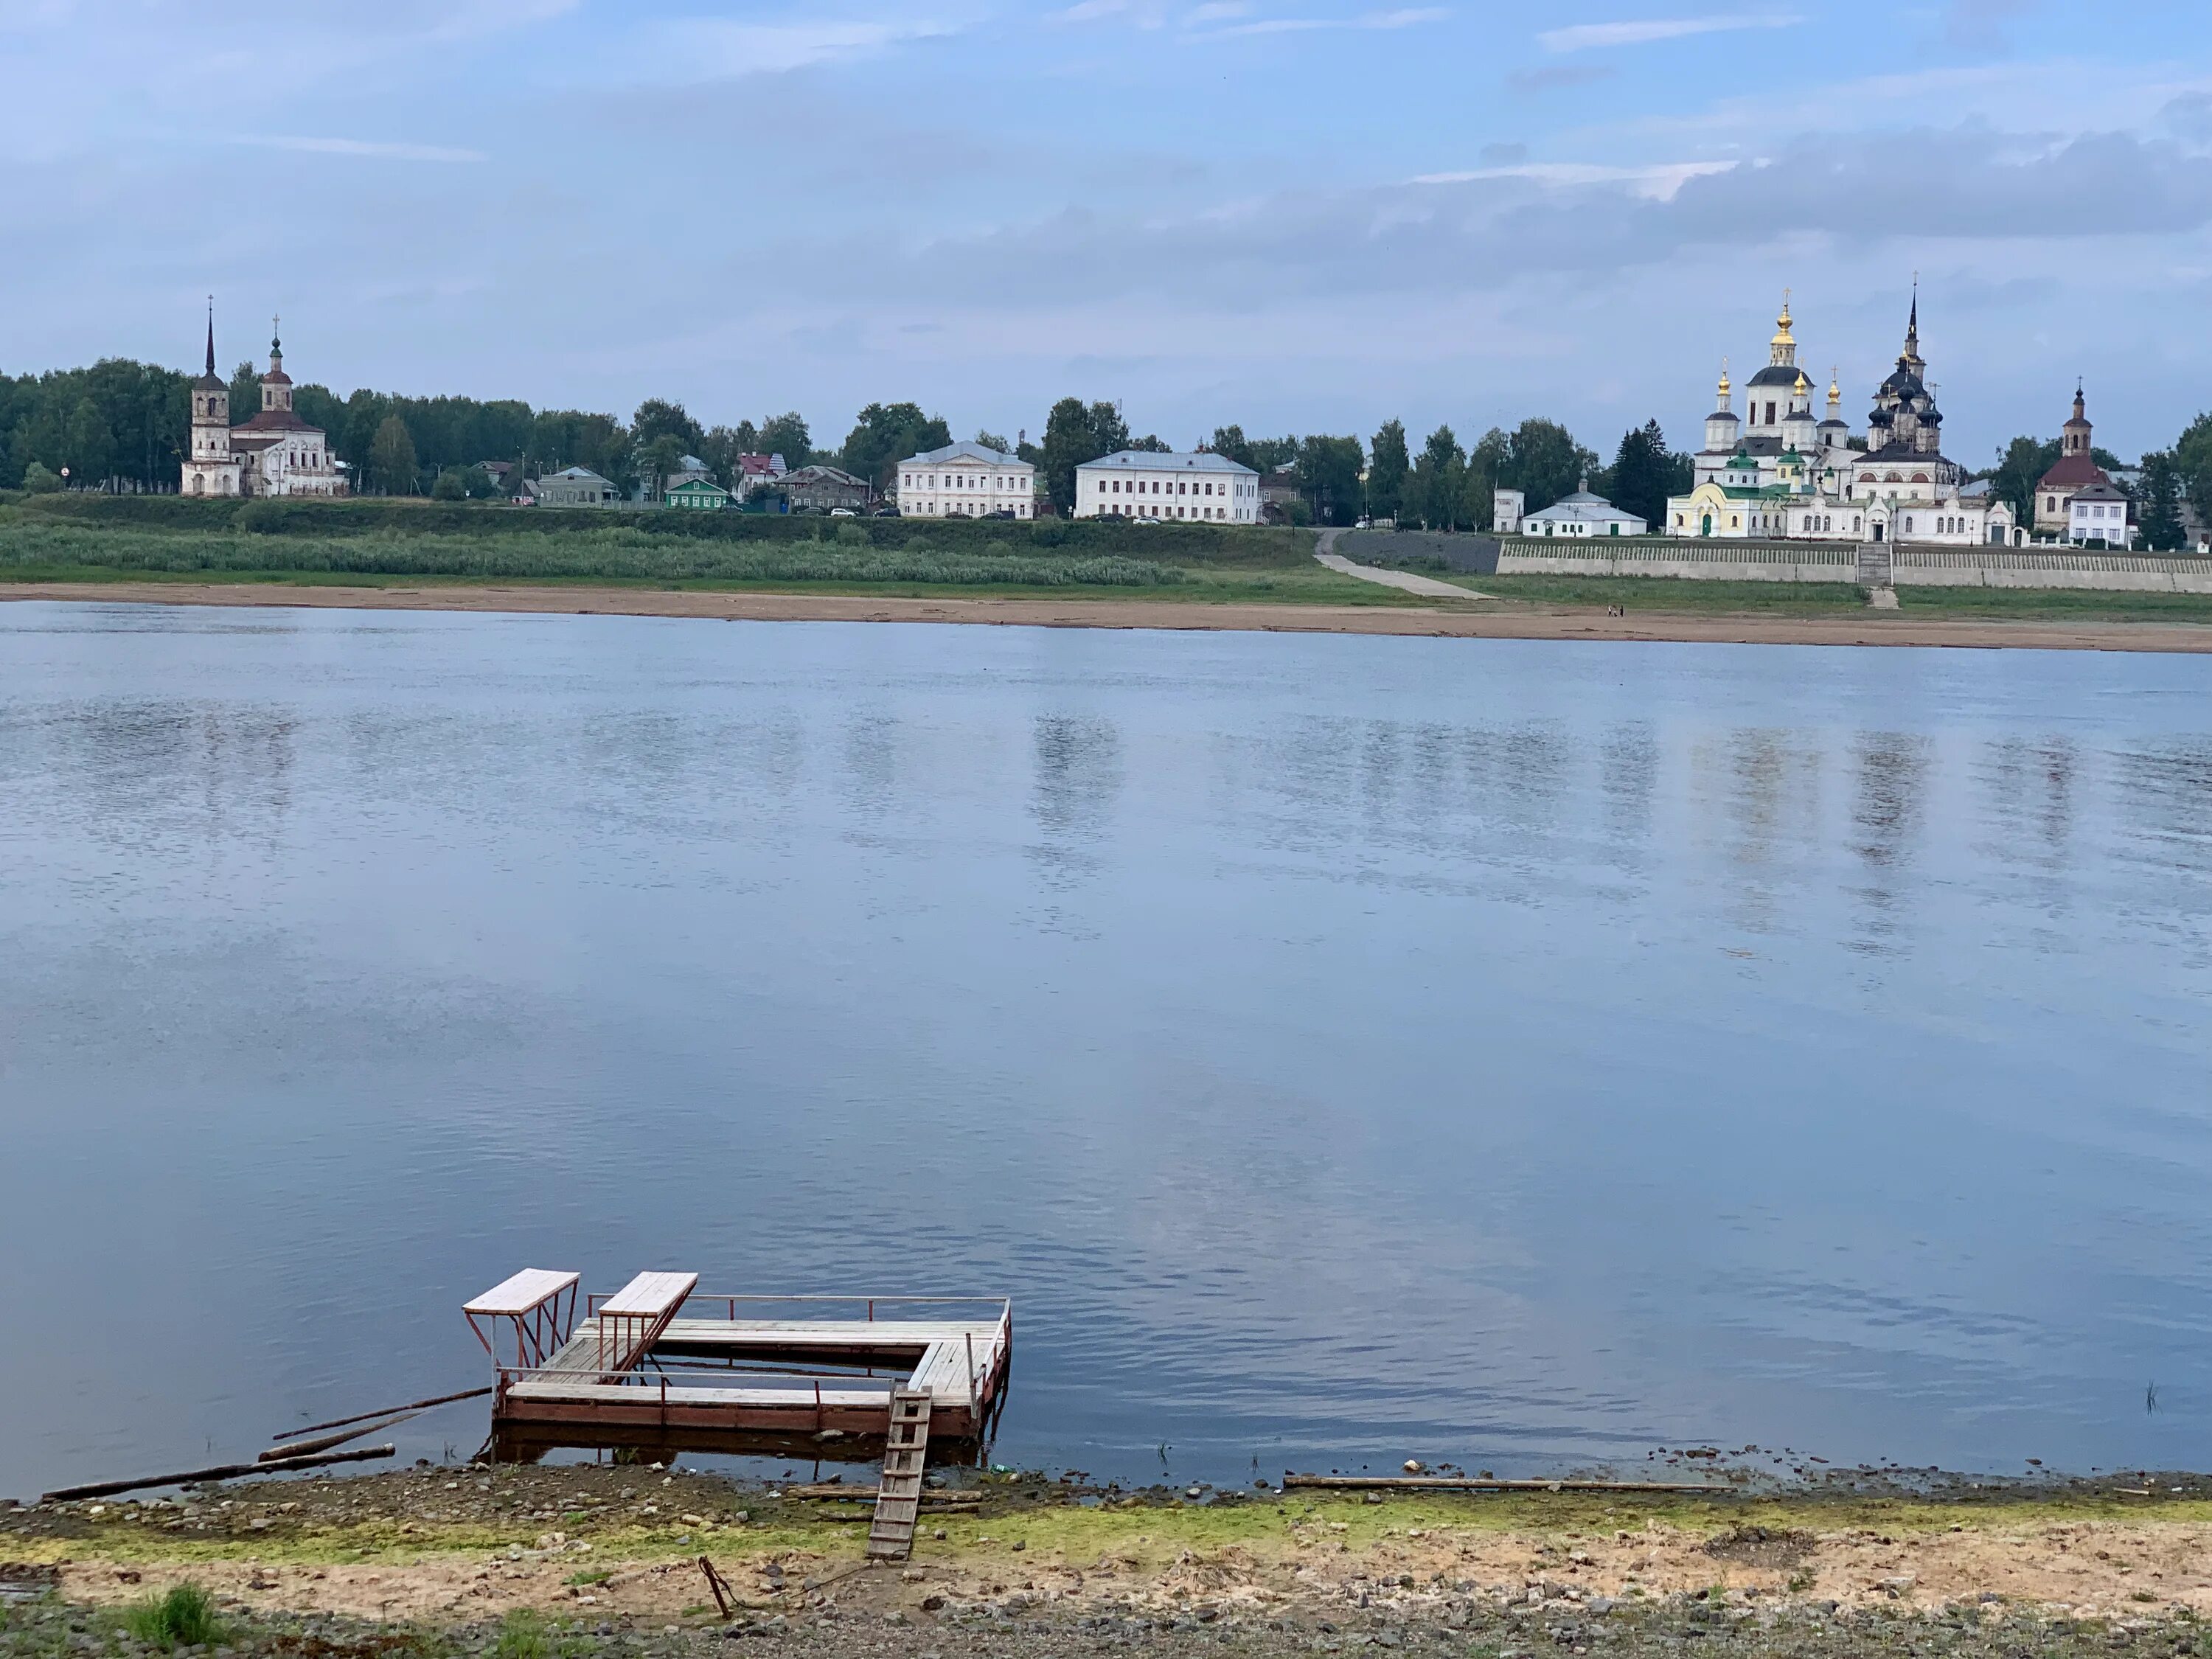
2189, 116
1582, 37
1980, 23
1658, 181
376, 148
1554, 76
716, 48
1406, 18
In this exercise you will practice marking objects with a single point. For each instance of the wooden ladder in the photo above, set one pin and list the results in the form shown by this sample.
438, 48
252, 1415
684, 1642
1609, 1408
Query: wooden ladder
898, 1499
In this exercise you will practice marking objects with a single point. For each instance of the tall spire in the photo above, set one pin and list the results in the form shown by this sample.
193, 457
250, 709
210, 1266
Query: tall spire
1912, 329
210, 356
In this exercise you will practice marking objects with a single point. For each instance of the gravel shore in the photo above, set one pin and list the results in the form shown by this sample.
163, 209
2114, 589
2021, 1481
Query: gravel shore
532, 1563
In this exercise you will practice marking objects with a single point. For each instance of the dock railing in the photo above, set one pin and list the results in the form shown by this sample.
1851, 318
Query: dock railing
643, 1368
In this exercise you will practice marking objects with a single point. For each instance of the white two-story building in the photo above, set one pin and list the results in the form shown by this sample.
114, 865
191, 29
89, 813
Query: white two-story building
966, 481
1139, 484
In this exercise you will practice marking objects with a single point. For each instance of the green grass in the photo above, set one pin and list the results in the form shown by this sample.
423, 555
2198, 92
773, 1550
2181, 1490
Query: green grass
329, 546
521, 1636
1675, 594
2058, 604
184, 1617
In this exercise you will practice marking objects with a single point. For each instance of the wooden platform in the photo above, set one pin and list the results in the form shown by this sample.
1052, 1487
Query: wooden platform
661, 1359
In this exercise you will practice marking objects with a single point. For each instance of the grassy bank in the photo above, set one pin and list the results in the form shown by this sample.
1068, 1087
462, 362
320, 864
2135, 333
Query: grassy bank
555, 1563
84, 538
1677, 595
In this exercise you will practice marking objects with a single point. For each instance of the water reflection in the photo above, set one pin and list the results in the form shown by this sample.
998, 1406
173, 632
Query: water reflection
1341, 1050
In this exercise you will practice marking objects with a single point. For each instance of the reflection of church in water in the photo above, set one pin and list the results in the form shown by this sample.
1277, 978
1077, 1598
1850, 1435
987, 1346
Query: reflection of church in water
1777, 473
275, 453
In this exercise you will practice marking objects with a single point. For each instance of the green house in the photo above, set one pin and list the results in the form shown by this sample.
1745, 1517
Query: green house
696, 492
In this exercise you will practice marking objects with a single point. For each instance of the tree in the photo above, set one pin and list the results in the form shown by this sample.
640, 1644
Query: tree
885, 435
392, 462
452, 486
1328, 478
2159, 498
655, 461
245, 393
1229, 440
1434, 487
1269, 453
2192, 460
787, 435
39, 480
656, 417
1544, 462
1075, 433
90, 445
993, 440
1386, 473
1645, 473
1485, 471
2019, 464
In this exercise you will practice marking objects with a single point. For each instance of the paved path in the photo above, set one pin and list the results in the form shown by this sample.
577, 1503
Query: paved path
1427, 586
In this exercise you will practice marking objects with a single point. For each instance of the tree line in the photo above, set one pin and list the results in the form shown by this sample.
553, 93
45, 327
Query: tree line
124, 425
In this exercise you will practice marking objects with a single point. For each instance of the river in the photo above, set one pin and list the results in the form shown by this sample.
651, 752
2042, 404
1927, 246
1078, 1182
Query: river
1342, 1049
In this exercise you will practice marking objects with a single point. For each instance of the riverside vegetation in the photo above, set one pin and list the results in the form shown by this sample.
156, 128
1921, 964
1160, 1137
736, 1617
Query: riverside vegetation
574, 1563
92, 537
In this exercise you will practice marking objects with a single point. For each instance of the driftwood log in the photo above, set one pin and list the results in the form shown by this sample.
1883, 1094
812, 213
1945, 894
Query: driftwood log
387, 1411
220, 1472
324, 1441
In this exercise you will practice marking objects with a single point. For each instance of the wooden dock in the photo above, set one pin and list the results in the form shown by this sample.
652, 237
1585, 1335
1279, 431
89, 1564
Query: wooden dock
662, 1363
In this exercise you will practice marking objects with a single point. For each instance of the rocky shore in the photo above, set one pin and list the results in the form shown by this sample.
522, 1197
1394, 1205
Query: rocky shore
572, 1563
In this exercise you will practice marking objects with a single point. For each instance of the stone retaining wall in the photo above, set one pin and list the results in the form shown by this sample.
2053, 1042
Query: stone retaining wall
1911, 566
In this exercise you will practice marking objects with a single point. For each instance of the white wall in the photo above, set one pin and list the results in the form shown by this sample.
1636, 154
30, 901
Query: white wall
941, 490
1168, 491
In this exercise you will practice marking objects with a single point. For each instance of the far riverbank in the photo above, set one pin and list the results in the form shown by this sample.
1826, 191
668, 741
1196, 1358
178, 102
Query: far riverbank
1517, 620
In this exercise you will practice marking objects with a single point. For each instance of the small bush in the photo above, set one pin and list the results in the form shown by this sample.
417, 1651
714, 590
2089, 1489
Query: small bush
184, 1617
521, 1636
1048, 532
40, 480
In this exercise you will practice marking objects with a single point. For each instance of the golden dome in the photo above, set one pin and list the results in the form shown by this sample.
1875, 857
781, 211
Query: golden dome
1802, 385
1835, 390
1725, 387
1782, 336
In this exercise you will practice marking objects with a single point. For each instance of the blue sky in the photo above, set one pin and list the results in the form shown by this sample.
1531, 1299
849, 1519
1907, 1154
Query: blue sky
1298, 215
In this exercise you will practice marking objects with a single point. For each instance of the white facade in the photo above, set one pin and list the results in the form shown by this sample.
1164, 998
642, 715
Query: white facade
966, 481
275, 453
1790, 476
1506, 507
1137, 484
1580, 514
2099, 513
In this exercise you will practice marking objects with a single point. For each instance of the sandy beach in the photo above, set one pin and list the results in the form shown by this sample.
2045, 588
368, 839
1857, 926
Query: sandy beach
1503, 622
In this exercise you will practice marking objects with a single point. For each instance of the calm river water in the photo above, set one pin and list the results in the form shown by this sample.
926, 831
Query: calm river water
1342, 1049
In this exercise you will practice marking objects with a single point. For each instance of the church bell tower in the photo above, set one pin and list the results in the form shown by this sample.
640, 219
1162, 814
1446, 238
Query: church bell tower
210, 468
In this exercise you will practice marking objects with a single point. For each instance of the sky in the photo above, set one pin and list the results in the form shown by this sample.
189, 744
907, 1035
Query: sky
1299, 215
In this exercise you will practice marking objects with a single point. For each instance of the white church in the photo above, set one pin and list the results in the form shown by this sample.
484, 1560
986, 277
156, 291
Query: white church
1777, 473
274, 454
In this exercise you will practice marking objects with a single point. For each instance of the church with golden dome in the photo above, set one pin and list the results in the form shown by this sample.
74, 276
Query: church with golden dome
1777, 473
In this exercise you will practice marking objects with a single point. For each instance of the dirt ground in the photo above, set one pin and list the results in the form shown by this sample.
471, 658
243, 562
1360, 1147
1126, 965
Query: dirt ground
464, 1544
1522, 621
